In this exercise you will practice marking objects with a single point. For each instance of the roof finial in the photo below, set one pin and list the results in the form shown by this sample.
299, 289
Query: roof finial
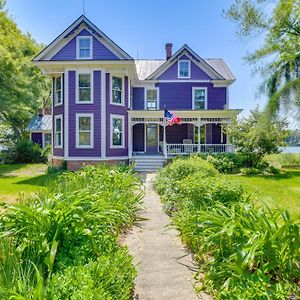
83, 7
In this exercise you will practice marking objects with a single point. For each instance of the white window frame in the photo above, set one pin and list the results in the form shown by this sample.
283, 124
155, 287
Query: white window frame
193, 96
145, 96
123, 90
55, 131
44, 134
89, 115
111, 131
56, 103
78, 38
189, 68
91, 73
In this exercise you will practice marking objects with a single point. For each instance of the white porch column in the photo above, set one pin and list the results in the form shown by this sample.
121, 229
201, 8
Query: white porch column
164, 140
199, 135
130, 137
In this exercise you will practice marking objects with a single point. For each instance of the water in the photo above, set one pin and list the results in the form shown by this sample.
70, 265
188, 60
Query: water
293, 149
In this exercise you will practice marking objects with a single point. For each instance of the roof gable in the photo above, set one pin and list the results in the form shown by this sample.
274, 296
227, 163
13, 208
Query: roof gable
188, 53
66, 39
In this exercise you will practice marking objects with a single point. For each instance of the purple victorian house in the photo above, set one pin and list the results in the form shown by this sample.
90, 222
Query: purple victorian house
109, 107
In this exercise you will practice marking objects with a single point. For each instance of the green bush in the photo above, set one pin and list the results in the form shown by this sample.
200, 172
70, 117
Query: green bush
26, 151
226, 162
75, 222
46, 152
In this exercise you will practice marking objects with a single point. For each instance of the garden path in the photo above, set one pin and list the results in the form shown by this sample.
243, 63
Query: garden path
165, 268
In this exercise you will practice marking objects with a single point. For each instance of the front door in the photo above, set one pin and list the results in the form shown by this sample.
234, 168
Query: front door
152, 138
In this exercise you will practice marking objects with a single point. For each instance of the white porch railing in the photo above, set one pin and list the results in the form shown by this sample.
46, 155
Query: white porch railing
186, 149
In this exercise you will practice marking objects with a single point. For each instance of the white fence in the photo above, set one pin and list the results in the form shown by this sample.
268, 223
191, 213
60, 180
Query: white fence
186, 149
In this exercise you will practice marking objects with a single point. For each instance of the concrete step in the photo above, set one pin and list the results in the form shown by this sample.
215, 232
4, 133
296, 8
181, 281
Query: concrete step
147, 163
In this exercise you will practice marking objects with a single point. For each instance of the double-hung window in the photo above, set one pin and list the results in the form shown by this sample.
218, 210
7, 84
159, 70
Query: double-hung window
84, 130
184, 69
47, 139
117, 90
199, 98
58, 92
84, 47
117, 137
84, 93
151, 99
58, 131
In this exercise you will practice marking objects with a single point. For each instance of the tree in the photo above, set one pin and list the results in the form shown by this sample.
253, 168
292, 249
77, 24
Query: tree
256, 136
279, 21
23, 87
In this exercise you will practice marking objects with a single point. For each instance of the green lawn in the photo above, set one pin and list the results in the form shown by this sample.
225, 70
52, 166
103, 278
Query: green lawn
281, 190
16, 179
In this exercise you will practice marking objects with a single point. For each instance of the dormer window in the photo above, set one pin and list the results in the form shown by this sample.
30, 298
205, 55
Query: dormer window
84, 47
184, 69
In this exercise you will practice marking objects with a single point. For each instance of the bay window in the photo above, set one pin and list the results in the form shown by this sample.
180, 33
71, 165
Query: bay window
84, 130
84, 92
58, 131
117, 90
117, 138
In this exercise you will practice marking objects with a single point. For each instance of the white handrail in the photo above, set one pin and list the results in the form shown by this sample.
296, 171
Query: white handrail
185, 149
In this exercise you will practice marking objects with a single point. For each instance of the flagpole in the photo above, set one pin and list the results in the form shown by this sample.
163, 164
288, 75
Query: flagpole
164, 133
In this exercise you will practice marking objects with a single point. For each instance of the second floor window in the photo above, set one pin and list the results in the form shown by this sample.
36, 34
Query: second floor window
117, 90
199, 98
84, 88
184, 69
84, 47
58, 90
151, 99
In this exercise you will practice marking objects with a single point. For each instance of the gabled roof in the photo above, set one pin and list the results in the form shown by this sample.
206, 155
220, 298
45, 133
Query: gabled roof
40, 123
145, 67
216, 68
94, 31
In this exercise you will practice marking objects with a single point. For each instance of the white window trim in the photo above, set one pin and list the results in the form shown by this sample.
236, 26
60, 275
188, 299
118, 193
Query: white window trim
91, 73
145, 96
55, 140
91, 132
178, 66
61, 91
193, 96
78, 38
123, 90
111, 132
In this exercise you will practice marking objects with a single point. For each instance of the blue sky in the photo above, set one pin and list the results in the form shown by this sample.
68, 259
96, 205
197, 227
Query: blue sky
142, 27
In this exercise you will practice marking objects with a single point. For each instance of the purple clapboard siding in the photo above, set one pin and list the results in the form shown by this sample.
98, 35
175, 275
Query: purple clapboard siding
138, 98
37, 138
100, 52
94, 108
196, 73
176, 133
138, 138
58, 110
178, 96
116, 110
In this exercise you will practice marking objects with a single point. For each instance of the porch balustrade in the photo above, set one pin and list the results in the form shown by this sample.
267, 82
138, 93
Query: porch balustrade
186, 149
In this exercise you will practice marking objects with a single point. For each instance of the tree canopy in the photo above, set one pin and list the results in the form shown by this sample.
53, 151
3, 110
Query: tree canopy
278, 58
23, 87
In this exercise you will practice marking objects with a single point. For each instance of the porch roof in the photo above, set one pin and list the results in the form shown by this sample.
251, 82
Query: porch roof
187, 116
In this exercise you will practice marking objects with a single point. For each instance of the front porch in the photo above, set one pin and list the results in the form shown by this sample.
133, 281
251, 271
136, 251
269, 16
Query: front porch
199, 132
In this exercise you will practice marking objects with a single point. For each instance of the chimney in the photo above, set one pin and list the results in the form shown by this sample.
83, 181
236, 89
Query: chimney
168, 50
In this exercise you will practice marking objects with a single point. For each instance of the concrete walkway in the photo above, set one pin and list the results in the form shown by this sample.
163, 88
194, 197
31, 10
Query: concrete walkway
165, 269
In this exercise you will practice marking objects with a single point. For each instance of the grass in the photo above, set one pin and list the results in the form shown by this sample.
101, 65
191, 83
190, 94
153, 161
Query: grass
16, 179
278, 191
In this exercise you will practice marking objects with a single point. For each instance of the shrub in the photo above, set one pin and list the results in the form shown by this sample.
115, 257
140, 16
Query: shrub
73, 224
46, 152
226, 162
26, 151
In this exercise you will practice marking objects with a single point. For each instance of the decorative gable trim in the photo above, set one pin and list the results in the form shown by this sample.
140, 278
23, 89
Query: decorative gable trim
185, 50
77, 27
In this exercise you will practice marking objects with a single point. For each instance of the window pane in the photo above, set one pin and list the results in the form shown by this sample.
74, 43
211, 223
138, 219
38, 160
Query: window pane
200, 95
151, 94
85, 138
151, 105
85, 94
84, 43
58, 83
84, 53
84, 123
47, 139
58, 125
184, 69
117, 83
84, 80
199, 105
117, 96
58, 139
117, 132
58, 96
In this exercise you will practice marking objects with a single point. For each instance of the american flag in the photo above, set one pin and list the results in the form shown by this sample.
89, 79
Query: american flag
171, 118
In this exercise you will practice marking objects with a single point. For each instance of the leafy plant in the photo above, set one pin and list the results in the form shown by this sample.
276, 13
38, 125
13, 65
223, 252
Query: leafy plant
26, 151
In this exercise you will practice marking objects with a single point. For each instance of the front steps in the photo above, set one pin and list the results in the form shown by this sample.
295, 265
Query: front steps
147, 163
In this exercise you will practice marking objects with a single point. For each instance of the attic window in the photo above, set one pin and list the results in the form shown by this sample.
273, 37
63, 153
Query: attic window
84, 47
184, 69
